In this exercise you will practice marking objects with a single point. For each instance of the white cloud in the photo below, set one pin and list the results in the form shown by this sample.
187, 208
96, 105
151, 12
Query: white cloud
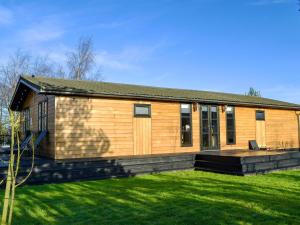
130, 57
113, 61
6, 16
41, 32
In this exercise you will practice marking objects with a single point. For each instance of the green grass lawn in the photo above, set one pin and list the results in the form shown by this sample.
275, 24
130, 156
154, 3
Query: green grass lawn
187, 197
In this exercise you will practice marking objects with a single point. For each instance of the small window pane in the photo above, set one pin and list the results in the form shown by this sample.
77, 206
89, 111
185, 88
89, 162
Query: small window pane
230, 137
142, 110
186, 137
214, 141
204, 108
205, 140
260, 115
229, 110
204, 126
185, 108
214, 126
230, 124
26, 120
214, 112
186, 124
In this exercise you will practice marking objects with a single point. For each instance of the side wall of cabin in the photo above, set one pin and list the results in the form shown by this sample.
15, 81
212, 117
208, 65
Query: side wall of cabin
47, 147
94, 127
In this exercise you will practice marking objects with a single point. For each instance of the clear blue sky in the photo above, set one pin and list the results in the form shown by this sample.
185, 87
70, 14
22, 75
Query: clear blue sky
221, 45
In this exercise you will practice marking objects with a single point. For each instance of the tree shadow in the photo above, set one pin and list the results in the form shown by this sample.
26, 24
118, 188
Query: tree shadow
78, 133
167, 198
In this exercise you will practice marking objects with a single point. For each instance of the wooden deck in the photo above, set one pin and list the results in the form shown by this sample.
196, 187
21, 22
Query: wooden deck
244, 162
235, 162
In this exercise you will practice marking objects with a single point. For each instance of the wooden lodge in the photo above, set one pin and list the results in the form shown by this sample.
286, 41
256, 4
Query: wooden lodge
90, 120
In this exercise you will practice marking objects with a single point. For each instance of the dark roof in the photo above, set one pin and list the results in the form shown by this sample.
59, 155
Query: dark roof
91, 88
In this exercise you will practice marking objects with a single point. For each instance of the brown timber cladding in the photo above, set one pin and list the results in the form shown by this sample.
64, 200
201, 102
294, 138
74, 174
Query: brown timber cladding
93, 127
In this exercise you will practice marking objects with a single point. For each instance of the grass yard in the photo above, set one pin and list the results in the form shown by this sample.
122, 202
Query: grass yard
187, 197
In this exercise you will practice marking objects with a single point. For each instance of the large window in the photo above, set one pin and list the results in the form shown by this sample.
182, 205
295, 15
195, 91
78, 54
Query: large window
43, 116
186, 125
26, 120
142, 110
260, 115
230, 125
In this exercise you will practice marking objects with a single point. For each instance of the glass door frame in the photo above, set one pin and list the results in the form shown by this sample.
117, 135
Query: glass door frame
202, 148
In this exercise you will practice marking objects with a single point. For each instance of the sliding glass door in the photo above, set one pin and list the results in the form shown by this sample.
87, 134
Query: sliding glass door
210, 133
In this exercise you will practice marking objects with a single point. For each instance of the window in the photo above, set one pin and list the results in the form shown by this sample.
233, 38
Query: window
230, 125
43, 116
26, 120
186, 125
260, 115
142, 110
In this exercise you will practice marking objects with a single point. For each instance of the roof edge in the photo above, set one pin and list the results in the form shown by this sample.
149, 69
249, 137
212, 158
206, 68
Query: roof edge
27, 83
144, 97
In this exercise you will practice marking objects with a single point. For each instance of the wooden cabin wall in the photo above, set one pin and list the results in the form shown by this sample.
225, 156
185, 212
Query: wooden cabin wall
94, 127
47, 147
81, 127
245, 128
166, 129
281, 128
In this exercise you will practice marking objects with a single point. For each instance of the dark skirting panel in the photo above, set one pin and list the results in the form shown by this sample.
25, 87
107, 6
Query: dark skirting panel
229, 162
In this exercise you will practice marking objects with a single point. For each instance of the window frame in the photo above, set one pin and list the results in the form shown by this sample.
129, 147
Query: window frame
209, 119
26, 119
234, 127
260, 119
142, 115
43, 116
191, 125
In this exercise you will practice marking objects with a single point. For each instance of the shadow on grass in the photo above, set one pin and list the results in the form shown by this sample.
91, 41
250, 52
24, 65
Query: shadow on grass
169, 198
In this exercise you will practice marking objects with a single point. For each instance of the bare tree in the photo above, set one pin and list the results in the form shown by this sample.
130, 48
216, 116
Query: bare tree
253, 92
43, 66
18, 63
22, 63
81, 61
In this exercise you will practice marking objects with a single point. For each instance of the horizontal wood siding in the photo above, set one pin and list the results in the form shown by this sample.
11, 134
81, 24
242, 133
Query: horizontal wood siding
93, 127
47, 147
81, 127
166, 129
281, 128
90, 127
